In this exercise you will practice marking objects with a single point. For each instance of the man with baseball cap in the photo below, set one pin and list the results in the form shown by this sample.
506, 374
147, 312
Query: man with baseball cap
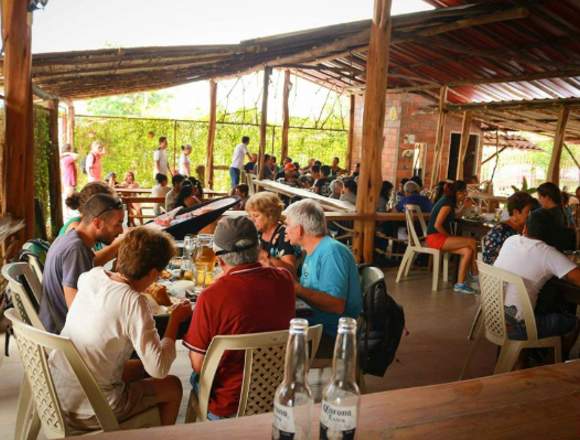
246, 298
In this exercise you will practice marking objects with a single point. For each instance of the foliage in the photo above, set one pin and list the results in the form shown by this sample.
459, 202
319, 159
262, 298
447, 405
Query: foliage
129, 148
524, 187
42, 156
137, 104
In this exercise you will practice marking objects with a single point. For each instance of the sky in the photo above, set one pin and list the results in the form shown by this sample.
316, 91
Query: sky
66, 25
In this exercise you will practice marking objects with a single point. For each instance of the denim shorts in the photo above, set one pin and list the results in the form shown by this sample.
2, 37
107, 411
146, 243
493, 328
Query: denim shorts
550, 324
194, 381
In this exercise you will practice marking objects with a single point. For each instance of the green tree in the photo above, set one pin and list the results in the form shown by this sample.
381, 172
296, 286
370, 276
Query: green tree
135, 104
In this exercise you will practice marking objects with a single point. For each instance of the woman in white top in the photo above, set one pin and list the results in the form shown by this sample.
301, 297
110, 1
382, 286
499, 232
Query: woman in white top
184, 163
110, 319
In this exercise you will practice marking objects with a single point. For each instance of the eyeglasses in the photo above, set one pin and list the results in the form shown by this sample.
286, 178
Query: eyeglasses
114, 207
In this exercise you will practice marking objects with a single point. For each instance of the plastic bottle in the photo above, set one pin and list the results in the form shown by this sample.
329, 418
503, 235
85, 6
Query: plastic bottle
340, 399
293, 398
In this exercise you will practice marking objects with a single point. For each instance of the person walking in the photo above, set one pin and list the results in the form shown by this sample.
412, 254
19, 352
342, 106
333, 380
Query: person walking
238, 160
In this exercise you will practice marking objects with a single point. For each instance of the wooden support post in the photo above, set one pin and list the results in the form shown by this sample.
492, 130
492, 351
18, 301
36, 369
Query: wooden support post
70, 124
211, 129
572, 156
436, 168
175, 148
17, 187
348, 165
55, 189
464, 143
554, 167
285, 115
374, 120
263, 121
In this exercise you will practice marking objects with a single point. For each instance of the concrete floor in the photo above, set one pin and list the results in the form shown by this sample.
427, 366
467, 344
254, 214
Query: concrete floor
432, 352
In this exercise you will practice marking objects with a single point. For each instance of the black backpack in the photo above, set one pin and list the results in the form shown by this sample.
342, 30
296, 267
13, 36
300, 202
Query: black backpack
381, 327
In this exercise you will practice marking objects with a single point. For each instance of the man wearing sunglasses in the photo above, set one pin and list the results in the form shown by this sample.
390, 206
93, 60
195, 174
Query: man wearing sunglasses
71, 255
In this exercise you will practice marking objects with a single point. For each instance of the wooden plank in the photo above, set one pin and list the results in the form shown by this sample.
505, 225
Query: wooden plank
572, 155
55, 188
497, 153
374, 120
535, 403
554, 167
437, 147
263, 120
70, 124
465, 129
17, 191
351, 122
285, 115
211, 130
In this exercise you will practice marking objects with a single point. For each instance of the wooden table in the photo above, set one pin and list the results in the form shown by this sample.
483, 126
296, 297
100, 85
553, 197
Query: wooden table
538, 403
290, 191
131, 191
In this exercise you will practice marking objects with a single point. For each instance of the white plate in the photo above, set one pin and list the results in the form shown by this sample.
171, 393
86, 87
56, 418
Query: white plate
180, 288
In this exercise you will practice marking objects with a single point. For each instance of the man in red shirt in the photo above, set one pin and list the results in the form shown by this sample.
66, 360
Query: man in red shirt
247, 298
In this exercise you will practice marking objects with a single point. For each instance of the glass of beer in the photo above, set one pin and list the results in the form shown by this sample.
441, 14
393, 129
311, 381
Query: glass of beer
205, 260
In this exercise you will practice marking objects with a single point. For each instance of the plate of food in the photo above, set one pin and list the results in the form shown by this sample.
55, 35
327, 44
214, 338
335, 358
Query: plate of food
160, 300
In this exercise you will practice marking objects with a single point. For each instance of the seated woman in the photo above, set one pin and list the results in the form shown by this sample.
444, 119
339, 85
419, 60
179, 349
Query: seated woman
439, 234
130, 183
519, 205
384, 196
560, 236
75, 201
110, 319
111, 180
265, 210
336, 187
187, 196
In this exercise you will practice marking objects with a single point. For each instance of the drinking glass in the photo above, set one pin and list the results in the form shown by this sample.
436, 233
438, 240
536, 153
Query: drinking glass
188, 246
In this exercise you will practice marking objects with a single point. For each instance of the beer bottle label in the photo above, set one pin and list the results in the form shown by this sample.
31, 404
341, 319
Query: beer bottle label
337, 422
284, 427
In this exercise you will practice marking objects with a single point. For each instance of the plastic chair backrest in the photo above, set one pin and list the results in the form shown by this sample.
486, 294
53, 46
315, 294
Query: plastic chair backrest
21, 296
369, 276
33, 345
493, 281
412, 214
263, 368
36, 266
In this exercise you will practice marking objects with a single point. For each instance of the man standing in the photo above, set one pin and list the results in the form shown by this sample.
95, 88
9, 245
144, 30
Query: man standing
160, 162
238, 160
71, 255
247, 298
329, 281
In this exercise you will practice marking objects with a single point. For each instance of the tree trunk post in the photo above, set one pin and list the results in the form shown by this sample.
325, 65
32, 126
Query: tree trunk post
441, 120
263, 121
285, 115
55, 187
554, 167
348, 164
370, 178
464, 143
70, 124
17, 191
209, 165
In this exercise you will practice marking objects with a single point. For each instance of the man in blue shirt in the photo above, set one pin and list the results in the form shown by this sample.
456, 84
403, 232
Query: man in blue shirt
329, 282
413, 197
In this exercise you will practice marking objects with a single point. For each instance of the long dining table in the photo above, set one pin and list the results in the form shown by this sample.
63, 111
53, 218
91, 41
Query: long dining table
537, 403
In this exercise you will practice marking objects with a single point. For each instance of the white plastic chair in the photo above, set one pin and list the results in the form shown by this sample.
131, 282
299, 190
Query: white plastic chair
263, 370
33, 345
27, 422
493, 281
412, 214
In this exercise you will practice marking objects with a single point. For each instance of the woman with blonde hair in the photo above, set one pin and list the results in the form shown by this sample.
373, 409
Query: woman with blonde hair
265, 210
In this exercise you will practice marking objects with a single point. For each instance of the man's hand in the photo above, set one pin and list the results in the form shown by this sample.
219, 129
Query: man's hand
182, 312
264, 258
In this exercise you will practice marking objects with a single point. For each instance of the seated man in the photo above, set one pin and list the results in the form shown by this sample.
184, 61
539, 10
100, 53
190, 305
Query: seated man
159, 190
329, 281
108, 321
322, 181
171, 197
532, 259
71, 255
413, 197
519, 205
246, 298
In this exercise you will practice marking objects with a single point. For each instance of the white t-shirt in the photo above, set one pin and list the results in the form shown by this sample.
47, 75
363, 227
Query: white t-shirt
107, 321
238, 159
184, 165
535, 262
161, 156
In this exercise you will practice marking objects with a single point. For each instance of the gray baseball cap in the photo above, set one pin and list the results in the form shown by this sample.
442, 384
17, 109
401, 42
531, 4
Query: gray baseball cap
235, 234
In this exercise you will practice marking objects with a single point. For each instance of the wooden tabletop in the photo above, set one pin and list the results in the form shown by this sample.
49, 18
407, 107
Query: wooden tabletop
287, 190
538, 403
346, 216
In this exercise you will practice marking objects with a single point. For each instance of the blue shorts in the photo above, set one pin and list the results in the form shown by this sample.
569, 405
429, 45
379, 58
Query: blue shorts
194, 380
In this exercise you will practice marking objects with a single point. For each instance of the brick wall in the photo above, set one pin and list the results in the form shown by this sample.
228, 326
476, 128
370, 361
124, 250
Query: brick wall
403, 117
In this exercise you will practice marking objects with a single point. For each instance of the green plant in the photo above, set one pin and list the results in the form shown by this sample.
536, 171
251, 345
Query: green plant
524, 187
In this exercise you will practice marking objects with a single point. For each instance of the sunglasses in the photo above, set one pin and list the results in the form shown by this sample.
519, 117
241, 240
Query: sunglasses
114, 207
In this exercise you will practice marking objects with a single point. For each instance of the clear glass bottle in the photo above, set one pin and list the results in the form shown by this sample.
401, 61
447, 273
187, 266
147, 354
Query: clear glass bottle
293, 398
340, 398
